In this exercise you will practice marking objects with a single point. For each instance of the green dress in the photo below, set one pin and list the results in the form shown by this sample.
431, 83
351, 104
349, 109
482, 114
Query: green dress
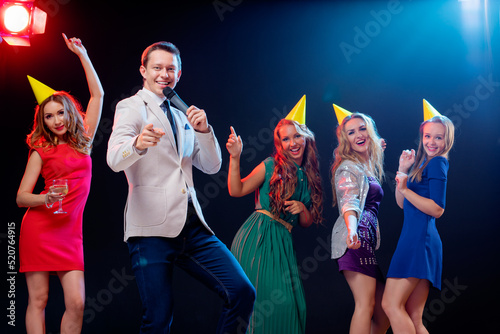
264, 248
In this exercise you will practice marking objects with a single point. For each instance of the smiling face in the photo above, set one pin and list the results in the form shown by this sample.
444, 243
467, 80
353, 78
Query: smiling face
161, 70
358, 137
54, 118
433, 139
292, 142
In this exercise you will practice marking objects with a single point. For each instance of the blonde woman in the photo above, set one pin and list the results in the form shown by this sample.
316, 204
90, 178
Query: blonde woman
421, 191
357, 174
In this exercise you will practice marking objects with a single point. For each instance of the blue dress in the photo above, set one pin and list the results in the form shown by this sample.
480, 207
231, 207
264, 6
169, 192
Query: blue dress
419, 252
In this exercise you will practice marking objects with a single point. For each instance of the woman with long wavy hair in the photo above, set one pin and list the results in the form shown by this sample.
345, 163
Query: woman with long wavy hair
288, 193
60, 146
357, 175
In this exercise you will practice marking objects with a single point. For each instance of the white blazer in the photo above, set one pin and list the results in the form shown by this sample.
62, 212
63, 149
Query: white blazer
160, 178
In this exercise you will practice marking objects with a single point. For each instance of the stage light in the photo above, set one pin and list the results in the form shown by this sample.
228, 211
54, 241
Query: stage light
471, 5
473, 12
19, 20
16, 18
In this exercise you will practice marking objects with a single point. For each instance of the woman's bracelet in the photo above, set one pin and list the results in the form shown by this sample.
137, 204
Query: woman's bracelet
47, 205
305, 211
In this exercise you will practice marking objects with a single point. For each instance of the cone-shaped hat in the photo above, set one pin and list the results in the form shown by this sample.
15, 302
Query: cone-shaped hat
341, 113
298, 113
41, 90
429, 111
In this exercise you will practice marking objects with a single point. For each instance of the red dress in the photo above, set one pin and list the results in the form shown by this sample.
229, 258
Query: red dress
54, 242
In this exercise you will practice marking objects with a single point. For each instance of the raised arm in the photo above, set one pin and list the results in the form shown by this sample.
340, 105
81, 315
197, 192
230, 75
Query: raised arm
406, 160
94, 107
240, 187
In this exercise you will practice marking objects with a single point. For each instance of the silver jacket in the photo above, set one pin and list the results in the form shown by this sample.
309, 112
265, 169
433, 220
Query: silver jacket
351, 188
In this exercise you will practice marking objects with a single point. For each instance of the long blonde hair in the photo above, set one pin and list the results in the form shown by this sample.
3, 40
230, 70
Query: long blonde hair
76, 136
345, 152
449, 138
284, 179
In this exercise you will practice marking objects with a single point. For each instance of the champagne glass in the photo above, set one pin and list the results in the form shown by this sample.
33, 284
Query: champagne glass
59, 187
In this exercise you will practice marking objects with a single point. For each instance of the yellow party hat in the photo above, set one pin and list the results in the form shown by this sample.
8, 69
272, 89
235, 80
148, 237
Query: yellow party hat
41, 90
341, 113
298, 113
429, 111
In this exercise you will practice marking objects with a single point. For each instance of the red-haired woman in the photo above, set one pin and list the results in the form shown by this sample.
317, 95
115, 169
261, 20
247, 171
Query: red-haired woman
288, 193
60, 146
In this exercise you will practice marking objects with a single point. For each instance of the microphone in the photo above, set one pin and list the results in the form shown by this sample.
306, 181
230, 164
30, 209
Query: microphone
172, 96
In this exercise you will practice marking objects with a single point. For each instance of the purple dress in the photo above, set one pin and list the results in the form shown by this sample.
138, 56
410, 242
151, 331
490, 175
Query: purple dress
363, 259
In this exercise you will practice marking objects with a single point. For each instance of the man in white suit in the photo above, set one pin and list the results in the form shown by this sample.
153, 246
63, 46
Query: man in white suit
164, 224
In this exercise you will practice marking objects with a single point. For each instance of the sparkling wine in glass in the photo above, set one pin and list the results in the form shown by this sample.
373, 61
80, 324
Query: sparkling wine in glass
59, 187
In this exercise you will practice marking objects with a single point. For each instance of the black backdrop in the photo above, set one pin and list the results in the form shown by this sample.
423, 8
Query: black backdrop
247, 63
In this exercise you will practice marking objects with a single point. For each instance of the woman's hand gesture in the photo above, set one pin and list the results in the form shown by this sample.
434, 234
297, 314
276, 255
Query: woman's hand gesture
75, 45
406, 160
234, 144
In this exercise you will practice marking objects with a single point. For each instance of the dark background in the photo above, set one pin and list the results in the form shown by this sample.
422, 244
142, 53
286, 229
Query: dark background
247, 64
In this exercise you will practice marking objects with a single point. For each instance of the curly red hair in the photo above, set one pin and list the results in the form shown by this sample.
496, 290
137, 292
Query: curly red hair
284, 179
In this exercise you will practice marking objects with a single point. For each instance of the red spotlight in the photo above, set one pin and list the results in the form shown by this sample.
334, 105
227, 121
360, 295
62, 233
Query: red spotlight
19, 20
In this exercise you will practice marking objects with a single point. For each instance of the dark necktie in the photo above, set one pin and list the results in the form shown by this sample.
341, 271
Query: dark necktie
165, 106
